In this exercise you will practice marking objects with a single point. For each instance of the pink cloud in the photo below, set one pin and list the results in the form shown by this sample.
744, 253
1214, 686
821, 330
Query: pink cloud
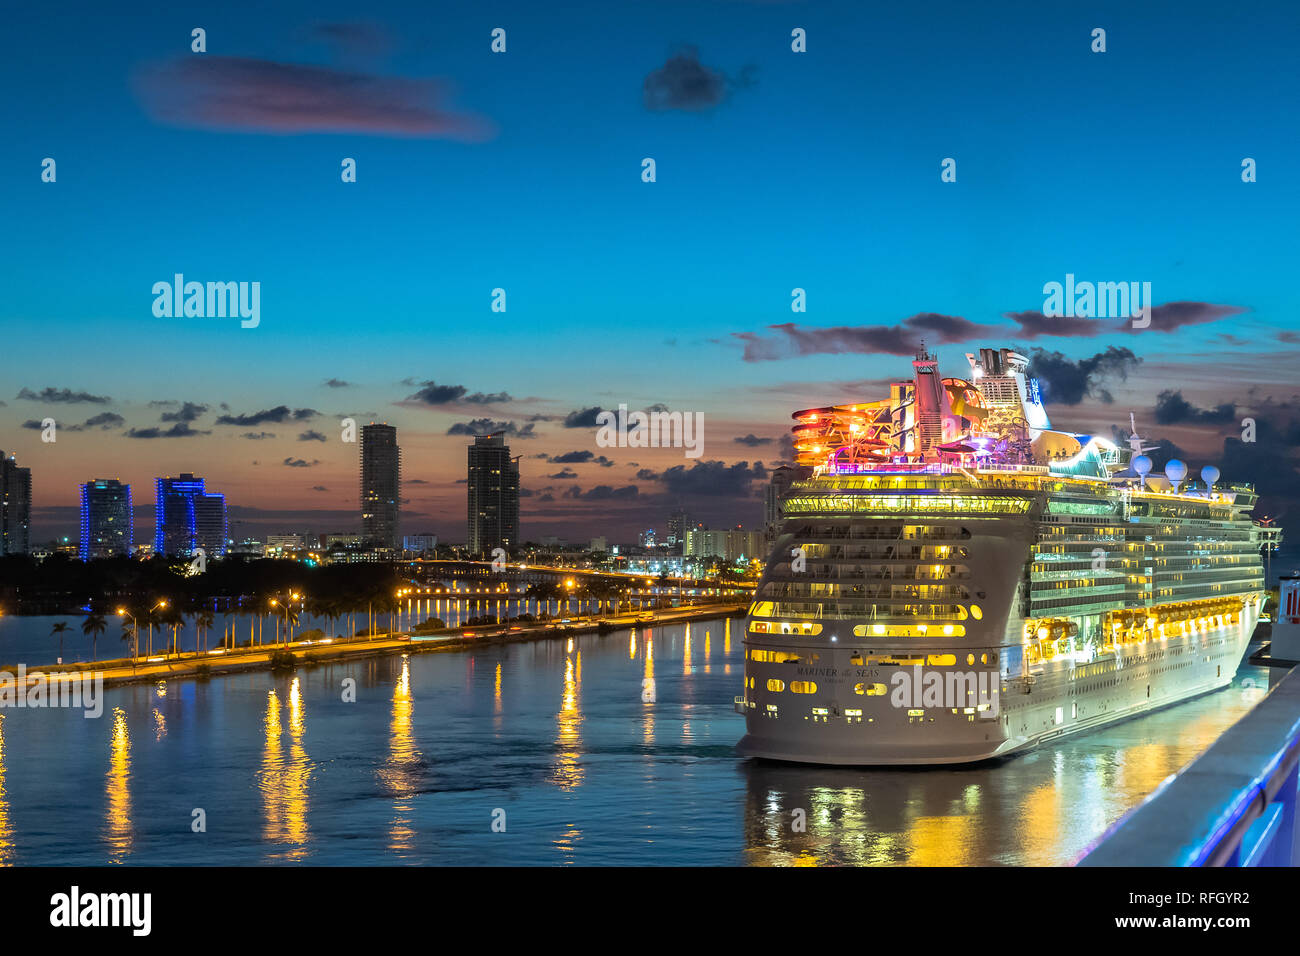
236, 93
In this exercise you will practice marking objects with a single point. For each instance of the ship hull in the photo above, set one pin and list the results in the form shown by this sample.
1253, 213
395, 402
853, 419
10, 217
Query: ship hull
1061, 698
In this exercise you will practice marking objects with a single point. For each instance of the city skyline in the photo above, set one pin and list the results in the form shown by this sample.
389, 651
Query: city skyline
397, 323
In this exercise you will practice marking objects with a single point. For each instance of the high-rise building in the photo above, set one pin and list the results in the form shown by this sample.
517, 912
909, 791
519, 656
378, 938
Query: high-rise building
187, 517
678, 525
381, 485
493, 495
782, 477
420, 543
729, 545
15, 507
107, 524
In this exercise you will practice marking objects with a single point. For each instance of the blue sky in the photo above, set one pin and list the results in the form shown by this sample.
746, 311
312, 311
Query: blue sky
817, 170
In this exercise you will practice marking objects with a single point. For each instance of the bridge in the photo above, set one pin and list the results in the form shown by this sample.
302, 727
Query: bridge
1235, 805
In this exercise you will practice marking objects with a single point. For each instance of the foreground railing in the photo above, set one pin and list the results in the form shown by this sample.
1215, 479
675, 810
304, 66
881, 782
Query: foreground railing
1235, 805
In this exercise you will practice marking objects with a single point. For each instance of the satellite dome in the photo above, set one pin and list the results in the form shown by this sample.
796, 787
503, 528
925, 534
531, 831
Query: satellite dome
1142, 465
1175, 471
1210, 474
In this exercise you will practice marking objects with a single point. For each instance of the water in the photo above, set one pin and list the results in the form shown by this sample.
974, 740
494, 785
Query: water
558, 737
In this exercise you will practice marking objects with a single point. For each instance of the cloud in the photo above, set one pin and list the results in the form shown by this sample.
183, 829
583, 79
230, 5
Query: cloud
599, 493
179, 430
319, 488
486, 426
1164, 318
752, 440
1067, 383
684, 83
1035, 325
336, 383
62, 396
712, 478
257, 436
312, 435
104, 421
188, 412
243, 94
905, 338
1175, 315
564, 474
278, 415
577, 458
1173, 409
432, 393
582, 418
300, 463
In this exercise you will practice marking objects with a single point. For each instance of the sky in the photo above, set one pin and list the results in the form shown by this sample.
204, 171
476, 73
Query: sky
522, 170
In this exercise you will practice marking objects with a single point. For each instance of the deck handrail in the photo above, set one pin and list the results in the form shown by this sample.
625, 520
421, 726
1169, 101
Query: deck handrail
1234, 805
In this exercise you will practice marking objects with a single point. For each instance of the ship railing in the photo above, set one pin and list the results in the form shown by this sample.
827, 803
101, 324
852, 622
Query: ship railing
1235, 805
1005, 469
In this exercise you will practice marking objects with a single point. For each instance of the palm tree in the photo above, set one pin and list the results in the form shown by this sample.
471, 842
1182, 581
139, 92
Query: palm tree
203, 620
94, 625
173, 618
60, 629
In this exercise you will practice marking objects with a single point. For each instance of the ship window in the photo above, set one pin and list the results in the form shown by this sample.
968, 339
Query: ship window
970, 660
775, 685
803, 687
869, 690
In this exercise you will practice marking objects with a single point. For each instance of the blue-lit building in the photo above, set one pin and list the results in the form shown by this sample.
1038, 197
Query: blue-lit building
188, 517
107, 528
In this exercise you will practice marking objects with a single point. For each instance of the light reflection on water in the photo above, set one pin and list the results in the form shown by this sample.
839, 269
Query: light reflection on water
615, 749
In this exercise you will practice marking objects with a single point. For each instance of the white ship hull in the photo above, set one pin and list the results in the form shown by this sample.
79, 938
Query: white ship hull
1062, 697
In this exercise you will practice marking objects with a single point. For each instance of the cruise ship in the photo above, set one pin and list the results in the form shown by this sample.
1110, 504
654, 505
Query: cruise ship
955, 580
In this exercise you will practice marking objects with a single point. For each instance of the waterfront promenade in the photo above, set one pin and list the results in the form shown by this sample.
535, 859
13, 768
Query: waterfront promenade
211, 663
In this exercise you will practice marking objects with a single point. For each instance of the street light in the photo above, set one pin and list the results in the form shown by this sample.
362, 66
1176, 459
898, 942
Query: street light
290, 598
135, 628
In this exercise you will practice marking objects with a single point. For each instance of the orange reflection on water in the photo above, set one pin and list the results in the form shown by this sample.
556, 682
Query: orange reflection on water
400, 774
568, 771
284, 777
119, 833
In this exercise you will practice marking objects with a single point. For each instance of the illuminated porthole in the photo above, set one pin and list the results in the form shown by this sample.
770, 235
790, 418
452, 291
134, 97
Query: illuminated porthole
970, 660
775, 685
984, 658
977, 612
869, 690
803, 687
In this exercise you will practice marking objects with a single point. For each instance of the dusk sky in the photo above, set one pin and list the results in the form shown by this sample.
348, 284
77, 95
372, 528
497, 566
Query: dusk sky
522, 170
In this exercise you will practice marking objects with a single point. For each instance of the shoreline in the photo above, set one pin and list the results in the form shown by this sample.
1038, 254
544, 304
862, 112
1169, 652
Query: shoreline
197, 665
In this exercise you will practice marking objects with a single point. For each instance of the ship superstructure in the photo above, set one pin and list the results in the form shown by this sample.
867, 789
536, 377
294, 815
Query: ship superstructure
955, 580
